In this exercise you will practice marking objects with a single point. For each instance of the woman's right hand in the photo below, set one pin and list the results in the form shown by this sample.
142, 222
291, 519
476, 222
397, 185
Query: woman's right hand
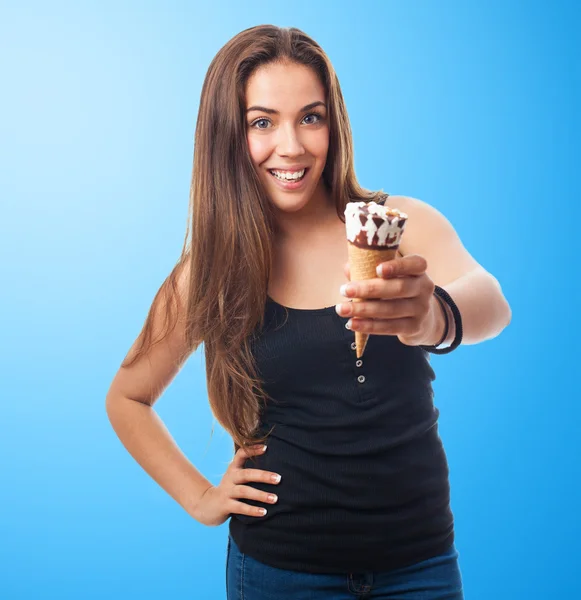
219, 502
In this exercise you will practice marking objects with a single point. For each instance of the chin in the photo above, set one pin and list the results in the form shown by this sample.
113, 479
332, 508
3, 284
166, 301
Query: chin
289, 201
290, 205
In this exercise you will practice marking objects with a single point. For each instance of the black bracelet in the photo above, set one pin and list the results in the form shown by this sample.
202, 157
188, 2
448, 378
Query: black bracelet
443, 294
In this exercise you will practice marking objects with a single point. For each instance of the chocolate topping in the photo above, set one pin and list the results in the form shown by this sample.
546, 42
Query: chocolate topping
375, 226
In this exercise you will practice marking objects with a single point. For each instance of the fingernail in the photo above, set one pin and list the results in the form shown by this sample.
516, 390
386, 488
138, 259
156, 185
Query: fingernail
348, 324
272, 498
379, 271
276, 478
346, 289
343, 309
263, 511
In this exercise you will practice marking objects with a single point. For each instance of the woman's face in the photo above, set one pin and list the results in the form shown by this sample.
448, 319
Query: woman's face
292, 135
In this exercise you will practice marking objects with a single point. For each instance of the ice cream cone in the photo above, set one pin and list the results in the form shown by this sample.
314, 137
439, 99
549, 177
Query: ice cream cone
362, 265
373, 236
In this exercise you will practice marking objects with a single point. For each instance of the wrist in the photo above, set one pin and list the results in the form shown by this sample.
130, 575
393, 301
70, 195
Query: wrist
451, 326
438, 323
192, 505
452, 335
195, 510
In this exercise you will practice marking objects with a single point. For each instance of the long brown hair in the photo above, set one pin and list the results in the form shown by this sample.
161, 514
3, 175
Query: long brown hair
231, 224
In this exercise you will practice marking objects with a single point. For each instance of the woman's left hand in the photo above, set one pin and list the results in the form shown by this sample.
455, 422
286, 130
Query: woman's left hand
401, 302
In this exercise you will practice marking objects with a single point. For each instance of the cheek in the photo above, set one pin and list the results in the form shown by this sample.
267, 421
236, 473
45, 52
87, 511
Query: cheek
258, 148
320, 144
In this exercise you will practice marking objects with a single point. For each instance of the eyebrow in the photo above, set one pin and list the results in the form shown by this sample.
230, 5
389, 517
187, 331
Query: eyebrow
271, 111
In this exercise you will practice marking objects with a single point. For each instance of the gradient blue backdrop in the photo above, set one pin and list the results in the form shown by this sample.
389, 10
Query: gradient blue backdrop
470, 106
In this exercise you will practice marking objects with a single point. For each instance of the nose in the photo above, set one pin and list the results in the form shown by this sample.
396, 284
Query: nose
289, 142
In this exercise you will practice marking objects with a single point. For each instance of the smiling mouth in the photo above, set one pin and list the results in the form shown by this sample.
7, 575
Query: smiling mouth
289, 179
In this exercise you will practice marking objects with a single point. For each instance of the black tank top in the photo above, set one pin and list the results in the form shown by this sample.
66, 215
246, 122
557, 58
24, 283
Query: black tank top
364, 474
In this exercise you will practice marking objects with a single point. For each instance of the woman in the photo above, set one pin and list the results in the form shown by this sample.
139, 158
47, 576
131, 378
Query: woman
350, 498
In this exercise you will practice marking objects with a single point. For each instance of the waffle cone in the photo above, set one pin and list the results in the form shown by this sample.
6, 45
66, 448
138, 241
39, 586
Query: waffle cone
362, 265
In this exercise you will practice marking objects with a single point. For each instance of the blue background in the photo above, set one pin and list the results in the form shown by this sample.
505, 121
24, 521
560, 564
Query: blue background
470, 106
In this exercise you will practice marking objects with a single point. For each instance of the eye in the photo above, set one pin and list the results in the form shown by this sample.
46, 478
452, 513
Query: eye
319, 118
260, 121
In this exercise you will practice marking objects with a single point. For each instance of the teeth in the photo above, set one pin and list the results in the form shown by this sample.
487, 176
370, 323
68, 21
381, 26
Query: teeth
285, 176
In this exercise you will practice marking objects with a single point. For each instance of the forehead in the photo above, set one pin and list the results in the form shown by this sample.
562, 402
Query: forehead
284, 87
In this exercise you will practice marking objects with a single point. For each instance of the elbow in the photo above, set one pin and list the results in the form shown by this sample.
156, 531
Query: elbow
112, 404
109, 405
506, 313
505, 309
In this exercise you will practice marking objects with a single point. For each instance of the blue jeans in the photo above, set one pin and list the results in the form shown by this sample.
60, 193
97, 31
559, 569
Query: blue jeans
437, 578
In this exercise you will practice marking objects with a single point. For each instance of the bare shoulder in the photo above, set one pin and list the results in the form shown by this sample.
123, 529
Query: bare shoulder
430, 234
420, 212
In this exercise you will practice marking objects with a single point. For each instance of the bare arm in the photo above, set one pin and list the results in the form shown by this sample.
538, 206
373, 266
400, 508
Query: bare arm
477, 293
147, 439
129, 405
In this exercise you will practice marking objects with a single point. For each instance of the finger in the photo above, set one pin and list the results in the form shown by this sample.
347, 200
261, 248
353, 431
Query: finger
402, 287
241, 508
347, 271
380, 309
250, 493
242, 454
406, 326
258, 475
411, 264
